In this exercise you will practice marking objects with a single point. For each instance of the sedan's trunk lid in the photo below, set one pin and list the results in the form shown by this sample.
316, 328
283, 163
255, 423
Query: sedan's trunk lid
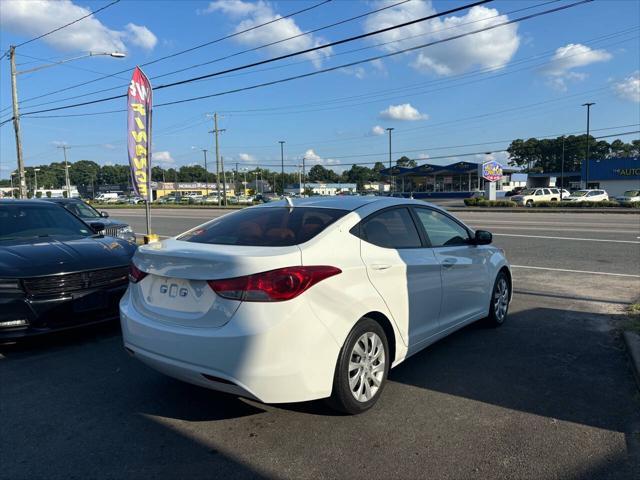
175, 289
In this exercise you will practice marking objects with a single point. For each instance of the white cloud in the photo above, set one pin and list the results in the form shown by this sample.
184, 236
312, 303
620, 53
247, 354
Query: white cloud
246, 157
252, 14
311, 157
30, 18
162, 159
141, 36
629, 88
377, 130
560, 68
423, 156
489, 49
402, 112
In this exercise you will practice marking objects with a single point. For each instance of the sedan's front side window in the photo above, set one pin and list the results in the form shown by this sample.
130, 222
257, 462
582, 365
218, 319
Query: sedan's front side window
441, 230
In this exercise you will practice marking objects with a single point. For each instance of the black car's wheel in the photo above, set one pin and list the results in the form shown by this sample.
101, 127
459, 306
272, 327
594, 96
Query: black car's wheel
500, 297
362, 368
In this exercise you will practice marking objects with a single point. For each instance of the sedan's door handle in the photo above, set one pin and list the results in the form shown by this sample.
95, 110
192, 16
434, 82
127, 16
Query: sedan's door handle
380, 266
447, 264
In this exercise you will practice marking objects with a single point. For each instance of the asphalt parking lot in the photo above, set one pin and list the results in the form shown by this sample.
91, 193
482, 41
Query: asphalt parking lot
548, 395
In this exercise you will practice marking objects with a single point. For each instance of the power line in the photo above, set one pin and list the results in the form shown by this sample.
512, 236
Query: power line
226, 57
251, 87
211, 42
281, 57
68, 24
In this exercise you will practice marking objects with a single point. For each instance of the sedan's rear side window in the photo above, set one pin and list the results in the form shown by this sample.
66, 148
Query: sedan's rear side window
390, 229
265, 227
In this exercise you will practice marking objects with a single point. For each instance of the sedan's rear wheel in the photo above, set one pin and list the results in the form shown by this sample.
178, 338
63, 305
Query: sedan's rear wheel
362, 368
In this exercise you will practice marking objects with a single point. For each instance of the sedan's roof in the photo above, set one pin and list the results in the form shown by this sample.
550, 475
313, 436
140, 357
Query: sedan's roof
17, 201
343, 202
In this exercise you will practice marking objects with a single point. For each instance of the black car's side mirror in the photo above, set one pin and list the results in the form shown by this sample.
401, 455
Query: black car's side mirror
104, 214
97, 226
483, 237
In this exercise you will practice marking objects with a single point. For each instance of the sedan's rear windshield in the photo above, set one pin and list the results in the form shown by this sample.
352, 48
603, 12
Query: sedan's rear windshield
265, 227
27, 221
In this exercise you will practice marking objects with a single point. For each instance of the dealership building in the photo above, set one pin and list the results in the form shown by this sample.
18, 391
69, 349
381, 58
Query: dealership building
614, 175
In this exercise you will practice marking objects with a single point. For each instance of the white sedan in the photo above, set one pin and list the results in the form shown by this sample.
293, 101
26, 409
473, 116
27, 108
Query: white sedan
313, 298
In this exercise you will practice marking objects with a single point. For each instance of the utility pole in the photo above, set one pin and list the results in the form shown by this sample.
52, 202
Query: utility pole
235, 181
281, 142
304, 177
393, 179
562, 170
66, 169
206, 173
586, 159
224, 182
22, 185
215, 131
35, 181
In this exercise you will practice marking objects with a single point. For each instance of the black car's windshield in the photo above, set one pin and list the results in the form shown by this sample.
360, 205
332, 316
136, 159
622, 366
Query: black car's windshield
265, 227
82, 210
27, 221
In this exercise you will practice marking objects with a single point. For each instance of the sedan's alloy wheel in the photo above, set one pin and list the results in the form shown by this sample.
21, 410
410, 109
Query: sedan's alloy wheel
366, 367
501, 299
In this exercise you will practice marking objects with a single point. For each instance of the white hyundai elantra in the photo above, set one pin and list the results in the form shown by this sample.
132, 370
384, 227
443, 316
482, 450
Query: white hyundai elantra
311, 298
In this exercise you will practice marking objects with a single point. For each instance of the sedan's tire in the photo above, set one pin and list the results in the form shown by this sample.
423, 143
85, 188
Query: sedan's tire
529, 203
362, 368
499, 304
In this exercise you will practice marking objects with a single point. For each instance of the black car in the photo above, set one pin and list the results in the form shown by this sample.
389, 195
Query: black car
56, 272
113, 228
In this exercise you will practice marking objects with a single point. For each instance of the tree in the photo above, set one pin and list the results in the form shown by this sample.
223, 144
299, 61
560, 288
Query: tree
406, 162
318, 173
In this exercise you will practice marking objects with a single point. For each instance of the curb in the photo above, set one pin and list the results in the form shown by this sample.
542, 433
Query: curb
632, 342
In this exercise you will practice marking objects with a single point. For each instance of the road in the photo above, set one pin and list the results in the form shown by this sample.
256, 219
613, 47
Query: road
548, 395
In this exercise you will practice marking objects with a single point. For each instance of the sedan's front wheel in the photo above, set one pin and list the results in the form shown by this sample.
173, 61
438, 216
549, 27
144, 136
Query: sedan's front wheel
362, 368
500, 298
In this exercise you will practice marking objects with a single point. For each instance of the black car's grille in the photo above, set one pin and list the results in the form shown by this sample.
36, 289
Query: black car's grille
112, 231
73, 282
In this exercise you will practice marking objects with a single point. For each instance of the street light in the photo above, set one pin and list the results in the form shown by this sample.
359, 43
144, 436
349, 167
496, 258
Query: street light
586, 158
281, 142
35, 181
16, 109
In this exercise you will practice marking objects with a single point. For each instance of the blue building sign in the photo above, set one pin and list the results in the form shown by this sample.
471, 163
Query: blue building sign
613, 169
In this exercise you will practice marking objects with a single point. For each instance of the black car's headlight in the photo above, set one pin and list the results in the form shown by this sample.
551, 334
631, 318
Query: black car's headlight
125, 232
10, 285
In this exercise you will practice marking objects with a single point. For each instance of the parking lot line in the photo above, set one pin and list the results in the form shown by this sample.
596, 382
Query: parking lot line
565, 238
577, 271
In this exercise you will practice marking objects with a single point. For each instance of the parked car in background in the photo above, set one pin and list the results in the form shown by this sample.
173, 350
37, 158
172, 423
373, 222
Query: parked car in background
134, 200
104, 197
210, 199
630, 196
304, 299
561, 192
112, 227
587, 196
57, 272
169, 199
245, 200
530, 196
514, 191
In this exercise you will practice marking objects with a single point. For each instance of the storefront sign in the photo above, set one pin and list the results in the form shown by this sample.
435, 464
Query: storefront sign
492, 171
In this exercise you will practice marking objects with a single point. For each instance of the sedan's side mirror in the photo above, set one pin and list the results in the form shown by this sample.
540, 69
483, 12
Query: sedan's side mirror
104, 214
483, 237
97, 226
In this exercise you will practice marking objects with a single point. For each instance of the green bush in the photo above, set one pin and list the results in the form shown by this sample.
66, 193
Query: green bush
481, 202
603, 204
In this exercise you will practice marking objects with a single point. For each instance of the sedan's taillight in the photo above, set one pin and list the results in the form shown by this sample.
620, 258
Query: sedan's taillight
274, 285
135, 274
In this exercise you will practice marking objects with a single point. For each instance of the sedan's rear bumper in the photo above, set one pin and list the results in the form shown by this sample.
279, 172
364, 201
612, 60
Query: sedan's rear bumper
272, 352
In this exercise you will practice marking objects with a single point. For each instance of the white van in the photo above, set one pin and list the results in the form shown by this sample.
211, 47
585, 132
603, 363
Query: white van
104, 197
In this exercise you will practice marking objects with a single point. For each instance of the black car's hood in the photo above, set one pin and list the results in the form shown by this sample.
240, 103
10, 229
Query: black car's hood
48, 256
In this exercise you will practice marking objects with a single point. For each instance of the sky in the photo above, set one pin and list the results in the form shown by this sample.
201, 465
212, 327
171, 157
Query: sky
449, 101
